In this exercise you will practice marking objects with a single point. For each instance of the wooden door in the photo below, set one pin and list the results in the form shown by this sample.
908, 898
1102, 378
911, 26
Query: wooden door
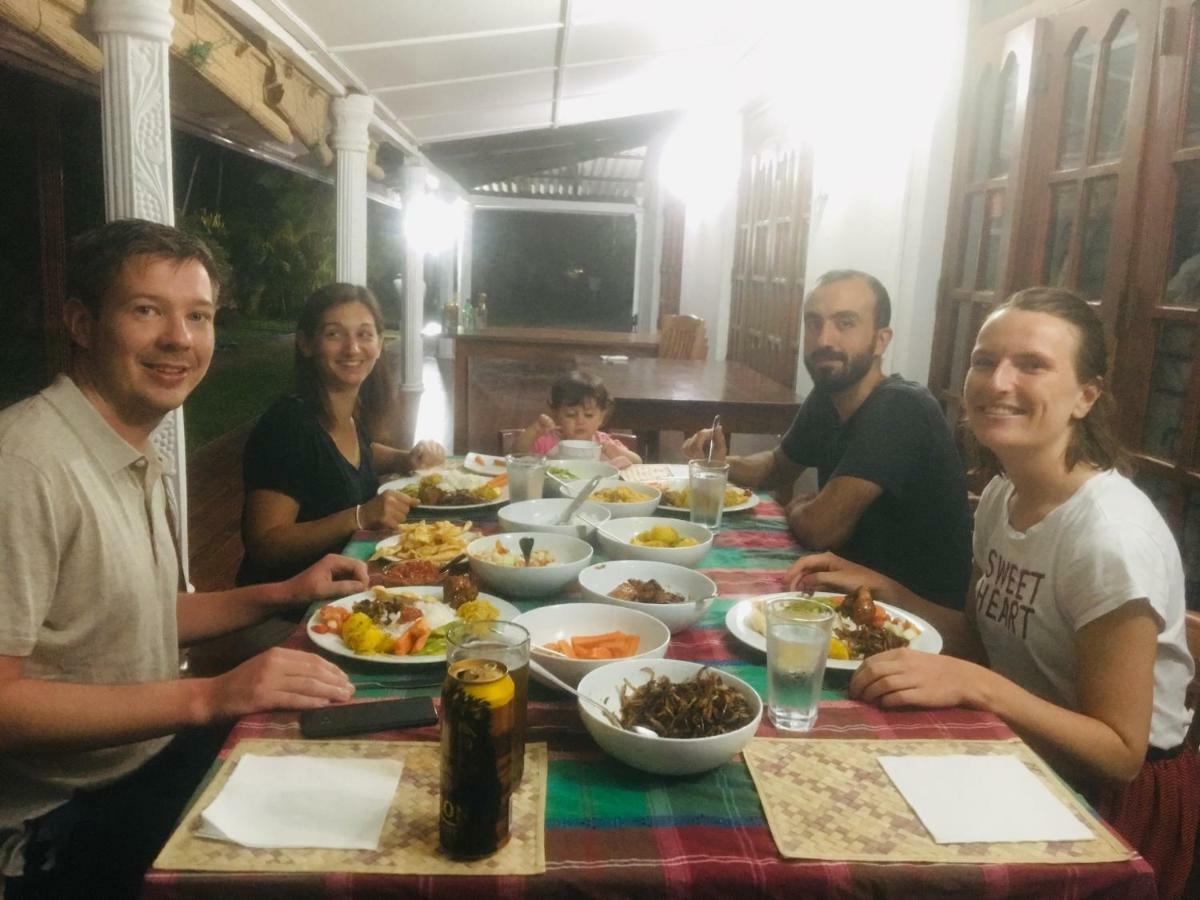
1158, 363
981, 263
670, 270
774, 196
1086, 152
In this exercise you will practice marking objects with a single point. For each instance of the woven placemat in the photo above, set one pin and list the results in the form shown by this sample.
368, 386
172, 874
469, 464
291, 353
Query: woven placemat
409, 843
830, 799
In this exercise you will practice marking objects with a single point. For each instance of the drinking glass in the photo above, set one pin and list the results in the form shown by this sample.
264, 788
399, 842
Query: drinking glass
526, 476
504, 642
706, 483
798, 633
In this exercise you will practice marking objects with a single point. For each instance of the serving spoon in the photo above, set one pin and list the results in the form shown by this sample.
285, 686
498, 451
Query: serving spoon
543, 672
584, 493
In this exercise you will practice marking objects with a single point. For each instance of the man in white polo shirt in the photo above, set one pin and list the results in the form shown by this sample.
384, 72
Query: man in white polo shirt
91, 608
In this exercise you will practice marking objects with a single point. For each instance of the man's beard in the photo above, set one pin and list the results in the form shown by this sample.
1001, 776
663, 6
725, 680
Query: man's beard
854, 370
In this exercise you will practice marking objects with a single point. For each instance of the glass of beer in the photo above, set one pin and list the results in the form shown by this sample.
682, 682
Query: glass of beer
504, 642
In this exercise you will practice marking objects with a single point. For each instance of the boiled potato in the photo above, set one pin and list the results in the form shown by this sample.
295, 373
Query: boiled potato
664, 533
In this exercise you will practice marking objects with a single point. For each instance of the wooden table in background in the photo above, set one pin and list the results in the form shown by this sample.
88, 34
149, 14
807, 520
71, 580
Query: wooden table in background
652, 395
532, 344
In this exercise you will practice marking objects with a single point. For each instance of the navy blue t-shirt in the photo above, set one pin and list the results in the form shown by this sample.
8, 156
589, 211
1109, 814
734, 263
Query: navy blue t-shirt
290, 452
918, 531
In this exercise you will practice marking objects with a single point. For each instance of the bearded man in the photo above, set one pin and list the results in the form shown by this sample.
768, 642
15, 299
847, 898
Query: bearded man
892, 493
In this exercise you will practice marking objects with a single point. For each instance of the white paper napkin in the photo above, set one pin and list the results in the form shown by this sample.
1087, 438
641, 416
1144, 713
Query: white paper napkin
304, 801
989, 799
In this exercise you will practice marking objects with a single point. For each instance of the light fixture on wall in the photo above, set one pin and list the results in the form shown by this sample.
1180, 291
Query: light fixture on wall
699, 163
431, 223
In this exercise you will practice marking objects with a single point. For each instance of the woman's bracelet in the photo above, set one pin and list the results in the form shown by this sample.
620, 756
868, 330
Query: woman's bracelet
357, 519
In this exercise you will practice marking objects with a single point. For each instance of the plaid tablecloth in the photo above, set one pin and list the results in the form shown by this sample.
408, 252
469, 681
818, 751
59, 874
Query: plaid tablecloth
612, 831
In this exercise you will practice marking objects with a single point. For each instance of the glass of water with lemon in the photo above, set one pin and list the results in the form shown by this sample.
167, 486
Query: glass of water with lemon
798, 633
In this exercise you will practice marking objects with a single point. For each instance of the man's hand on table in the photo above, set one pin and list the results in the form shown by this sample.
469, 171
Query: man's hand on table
331, 576
912, 678
277, 679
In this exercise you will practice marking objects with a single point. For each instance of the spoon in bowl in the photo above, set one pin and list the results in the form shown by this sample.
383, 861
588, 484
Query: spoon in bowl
574, 505
526, 545
543, 672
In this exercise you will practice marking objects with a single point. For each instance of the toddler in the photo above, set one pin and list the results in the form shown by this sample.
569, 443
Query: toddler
579, 406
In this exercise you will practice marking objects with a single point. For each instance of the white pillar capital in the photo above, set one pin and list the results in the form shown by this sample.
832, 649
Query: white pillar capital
149, 19
352, 116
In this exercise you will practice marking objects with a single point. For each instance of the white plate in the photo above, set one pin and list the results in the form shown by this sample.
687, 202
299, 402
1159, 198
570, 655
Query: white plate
392, 541
400, 483
483, 464
678, 484
334, 644
928, 641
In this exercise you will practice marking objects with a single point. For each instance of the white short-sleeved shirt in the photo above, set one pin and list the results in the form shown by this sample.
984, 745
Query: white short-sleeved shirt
88, 583
1104, 547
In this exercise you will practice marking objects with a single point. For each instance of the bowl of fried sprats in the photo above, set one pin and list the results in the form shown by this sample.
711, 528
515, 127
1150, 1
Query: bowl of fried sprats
702, 716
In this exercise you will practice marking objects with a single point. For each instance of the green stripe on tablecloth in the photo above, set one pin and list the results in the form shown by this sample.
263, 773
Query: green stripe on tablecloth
606, 792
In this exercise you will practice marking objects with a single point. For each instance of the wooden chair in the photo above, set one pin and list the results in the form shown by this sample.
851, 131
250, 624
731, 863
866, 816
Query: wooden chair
682, 337
1192, 623
506, 436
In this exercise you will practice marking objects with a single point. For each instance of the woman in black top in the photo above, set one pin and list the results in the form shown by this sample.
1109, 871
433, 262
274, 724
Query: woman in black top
311, 462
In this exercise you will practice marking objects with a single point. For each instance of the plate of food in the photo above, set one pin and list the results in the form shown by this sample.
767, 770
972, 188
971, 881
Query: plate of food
444, 489
436, 542
485, 464
864, 626
676, 497
398, 626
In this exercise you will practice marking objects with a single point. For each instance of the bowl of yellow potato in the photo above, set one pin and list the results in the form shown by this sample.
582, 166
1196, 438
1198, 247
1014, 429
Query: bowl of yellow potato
622, 499
655, 539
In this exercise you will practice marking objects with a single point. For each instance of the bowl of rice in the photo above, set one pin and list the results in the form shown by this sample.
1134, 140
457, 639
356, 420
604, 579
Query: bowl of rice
622, 498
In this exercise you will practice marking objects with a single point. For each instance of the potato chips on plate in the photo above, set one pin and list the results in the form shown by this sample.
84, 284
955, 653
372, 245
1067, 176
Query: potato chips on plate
439, 542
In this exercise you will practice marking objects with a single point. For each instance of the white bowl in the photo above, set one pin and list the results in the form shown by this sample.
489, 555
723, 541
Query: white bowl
699, 590
663, 756
577, 450
581, 469
556, 621
622, 510
616, 536
540, 515
571, 556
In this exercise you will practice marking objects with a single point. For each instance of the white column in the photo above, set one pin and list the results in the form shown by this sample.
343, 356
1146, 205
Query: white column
414, 286
466, 250
135, 112
649, 258
351, 119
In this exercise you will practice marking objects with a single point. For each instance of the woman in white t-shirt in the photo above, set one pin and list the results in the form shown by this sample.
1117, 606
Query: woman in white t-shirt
1076, 633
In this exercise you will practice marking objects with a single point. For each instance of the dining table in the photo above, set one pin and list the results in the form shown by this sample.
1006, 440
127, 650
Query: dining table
650, 395
527, 343
612, 831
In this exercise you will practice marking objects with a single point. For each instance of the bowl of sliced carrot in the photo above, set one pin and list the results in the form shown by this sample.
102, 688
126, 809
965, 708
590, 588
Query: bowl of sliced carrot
572, 639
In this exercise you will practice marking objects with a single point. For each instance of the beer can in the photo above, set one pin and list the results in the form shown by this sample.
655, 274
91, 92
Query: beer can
476, 746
